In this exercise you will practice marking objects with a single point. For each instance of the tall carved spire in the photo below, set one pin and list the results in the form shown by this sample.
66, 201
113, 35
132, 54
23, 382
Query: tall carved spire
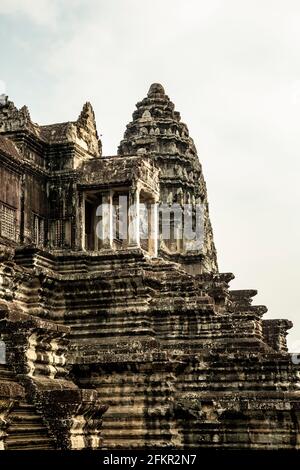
87, 129
87, 116
157, 127
24, 111
156, 130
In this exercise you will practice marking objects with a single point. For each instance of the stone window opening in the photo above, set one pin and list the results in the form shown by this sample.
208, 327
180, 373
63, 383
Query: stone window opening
58, 232
171, 227
38, 230
106, 220
112, 221
8, 222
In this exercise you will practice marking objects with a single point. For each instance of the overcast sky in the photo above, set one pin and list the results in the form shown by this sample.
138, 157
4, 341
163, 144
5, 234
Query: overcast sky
232, 68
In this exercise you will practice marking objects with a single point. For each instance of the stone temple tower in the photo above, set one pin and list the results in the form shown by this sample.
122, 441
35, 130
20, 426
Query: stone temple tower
126, 342
156, 130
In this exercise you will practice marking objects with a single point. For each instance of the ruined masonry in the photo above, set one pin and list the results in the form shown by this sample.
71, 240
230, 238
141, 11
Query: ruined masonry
130, 343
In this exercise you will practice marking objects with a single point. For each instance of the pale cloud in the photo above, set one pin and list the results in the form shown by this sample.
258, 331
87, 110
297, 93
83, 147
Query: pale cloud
2, 87
42, 12
233, 70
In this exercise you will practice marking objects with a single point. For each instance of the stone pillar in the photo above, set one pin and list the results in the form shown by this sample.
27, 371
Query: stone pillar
104, 228
111, 218
134, 218
178, 229
153, 232
80, 222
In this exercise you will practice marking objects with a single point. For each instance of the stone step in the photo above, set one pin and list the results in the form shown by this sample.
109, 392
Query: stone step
27, 430
6, 374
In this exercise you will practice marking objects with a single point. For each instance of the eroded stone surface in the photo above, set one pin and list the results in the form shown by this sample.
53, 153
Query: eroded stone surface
125, 344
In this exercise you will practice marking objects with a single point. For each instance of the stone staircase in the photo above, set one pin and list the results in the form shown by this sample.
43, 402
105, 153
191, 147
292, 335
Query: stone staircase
27, 430
178, 361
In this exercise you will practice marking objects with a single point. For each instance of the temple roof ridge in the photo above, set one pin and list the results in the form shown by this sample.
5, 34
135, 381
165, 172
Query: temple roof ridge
82, 131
